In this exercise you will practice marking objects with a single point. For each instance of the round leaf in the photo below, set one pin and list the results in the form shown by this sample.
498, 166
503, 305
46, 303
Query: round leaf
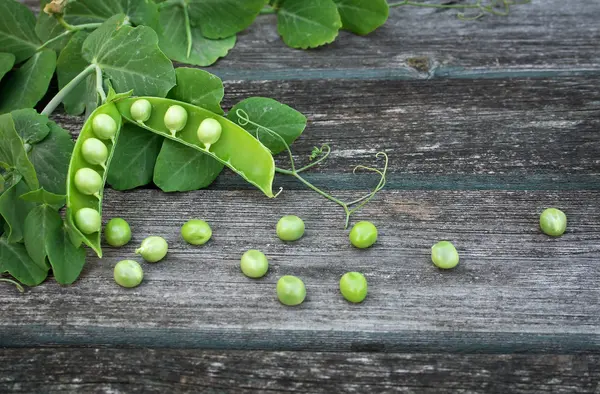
308, 23
17, 30
198, 87
223, 18
362, 16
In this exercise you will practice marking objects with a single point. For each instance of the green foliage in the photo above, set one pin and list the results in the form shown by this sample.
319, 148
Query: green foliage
7, 60
362, 16
31, 126
296, 18
17, 30
12, 152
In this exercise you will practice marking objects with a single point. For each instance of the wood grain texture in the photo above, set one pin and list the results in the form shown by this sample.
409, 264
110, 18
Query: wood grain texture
59, 370
544, 37
514, 290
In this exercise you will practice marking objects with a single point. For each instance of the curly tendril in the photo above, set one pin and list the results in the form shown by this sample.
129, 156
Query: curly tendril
17, 284
490, 7
320, 154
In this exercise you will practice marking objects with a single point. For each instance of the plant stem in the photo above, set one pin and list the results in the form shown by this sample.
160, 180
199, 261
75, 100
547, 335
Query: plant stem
99, 87
19, 287
68, 32
60, 96
188, 29
426, 5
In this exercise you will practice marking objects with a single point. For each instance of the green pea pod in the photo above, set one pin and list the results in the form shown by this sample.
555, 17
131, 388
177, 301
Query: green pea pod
77, 197
235, 148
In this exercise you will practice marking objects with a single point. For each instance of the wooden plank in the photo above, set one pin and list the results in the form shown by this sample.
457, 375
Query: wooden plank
546, 37
519, 134
89, 370
515, 290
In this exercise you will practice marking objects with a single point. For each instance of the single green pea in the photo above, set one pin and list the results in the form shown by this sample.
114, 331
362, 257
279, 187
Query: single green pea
209, 132
290, 290
153, 249
117, 232
363, 234
254, 264
94, 151
196, 232
128, 273
104, 126
88, 220
553, 222
175, 118
353, 286
141, 110
444, 255
290, 228
88, 181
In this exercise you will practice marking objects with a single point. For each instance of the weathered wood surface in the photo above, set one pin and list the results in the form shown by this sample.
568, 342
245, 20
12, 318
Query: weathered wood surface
175, 371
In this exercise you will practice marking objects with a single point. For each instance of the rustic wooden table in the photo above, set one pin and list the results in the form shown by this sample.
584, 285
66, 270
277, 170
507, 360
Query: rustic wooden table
485, 123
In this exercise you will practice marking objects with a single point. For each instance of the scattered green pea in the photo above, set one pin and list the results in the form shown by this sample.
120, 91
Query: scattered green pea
290, 290
94, 151
117, 232
88, 181
353, 286
88, 220
553, 222
254, 264
141, 110
444, 255
104, 126
153, 249
209, 132
290, 228
363, 234
175, 118
196, 232
128, 273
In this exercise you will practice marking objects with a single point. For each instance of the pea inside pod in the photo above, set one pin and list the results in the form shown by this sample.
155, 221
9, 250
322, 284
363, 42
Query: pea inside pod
234, 147
87, 175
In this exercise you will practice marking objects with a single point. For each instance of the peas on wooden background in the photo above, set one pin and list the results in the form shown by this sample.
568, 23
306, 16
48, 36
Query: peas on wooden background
363, 234
291, 290
153, 249
94, 151
290, 228
444, 255
254, 264
141, 110
128, 273
553, 222
88, 181
353, 286
209, 132
88, 220
104, 126
175, 119
117, 232
196, 232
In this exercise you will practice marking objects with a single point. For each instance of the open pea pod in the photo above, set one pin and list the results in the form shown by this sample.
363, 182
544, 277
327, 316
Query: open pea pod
235, 148
87, 175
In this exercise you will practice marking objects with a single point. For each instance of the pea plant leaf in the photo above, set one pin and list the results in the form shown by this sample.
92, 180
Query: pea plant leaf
14, 210
7, 60
50, 158
132, 164
40, 222
362, 16
198, 87
17, 262
66, 260
12, 152
269, 113
27, 85
42, 196
174, 40
223, 18
180, 168
17, 30
31, 126
308, 23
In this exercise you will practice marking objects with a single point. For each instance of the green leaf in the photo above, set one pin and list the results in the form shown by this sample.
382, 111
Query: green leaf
2, 183
17, 262
130, 57
14, 210
199, 88
308, 23
51, 157
362, 16
223, 18
180, 168
7, 61
27, 85
17, 30
282, 119
70, 63
12, 151
132, 164
31, 126
173, 40
42, 196
40, 222
66, 260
